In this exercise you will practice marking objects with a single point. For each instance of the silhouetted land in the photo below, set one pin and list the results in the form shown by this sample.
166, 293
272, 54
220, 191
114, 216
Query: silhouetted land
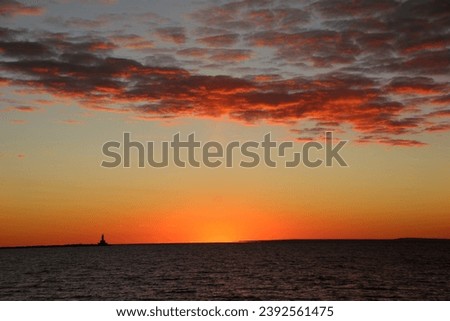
405, 239
45, 246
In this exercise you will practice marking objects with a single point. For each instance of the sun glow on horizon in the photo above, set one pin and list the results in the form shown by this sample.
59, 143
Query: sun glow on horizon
74, 78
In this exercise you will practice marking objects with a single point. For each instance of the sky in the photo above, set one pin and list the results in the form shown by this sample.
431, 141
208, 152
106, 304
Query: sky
77, 74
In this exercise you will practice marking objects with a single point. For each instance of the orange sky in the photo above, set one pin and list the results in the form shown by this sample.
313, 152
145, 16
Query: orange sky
74, 77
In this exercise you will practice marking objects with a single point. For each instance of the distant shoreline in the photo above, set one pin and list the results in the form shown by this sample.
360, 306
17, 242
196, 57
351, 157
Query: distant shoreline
405, 239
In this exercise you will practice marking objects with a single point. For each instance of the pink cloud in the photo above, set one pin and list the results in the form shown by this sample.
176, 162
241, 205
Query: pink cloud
13, 8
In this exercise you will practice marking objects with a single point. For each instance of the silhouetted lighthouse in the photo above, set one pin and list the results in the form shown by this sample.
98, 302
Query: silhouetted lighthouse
102, 241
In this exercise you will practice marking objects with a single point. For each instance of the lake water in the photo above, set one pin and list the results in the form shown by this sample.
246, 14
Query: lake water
290, 270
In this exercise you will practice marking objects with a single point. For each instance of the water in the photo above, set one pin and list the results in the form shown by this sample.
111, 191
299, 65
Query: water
296, 270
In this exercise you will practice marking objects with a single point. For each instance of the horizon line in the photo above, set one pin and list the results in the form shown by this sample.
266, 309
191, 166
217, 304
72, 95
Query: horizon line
226, 242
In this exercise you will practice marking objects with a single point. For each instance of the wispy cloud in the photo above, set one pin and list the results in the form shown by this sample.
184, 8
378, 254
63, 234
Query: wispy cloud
220, 40
18, 121
172, 34
12, 8
71, 122
27, 109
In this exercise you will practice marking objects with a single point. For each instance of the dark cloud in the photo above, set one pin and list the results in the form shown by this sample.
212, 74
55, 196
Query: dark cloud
390, 141
106, 20
12, 8
23, 49
378, 68
415, 86
319, 48
443, 127
220, 40
230, 55
280, 18
78, 22
361, 8
161, 60
217, 55
193, 52
132, 41
8, 34
365, 36
440, 113
81, 71
172, 34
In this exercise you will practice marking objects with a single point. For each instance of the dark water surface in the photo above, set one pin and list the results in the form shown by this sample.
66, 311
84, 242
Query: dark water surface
291, 270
